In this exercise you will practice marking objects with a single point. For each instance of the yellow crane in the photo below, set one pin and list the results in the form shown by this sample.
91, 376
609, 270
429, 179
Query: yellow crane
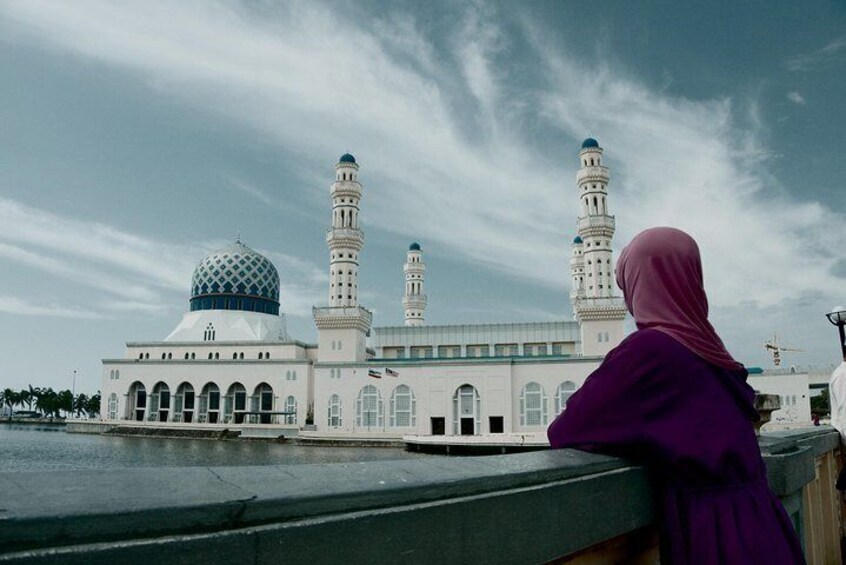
773, 347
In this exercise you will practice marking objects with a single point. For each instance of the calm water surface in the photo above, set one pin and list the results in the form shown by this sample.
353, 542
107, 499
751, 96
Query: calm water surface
42, 447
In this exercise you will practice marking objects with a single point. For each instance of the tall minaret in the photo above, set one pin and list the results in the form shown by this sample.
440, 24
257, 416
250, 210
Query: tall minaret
414, 300
345, 239
343, 325
595, 302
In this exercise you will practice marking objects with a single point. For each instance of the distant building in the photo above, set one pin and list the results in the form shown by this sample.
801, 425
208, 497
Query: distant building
230, 360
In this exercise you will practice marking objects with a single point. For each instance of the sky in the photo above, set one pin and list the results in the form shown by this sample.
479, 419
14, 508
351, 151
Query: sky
136, 137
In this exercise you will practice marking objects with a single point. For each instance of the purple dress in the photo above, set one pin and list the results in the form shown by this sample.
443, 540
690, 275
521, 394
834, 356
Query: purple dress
689, 422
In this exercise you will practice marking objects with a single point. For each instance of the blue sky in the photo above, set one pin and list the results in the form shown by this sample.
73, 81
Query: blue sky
135, 138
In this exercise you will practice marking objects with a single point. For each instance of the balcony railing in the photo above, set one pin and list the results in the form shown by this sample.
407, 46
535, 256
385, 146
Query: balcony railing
598, 221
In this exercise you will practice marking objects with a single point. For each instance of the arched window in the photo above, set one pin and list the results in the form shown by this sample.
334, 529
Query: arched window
562, 394
261, 355
113, 406
334, 416
262, 401
466, 411
209, 404
217, 355
403, 407
164, 356
235, 404
186, 355
291, 406
210, 355
241, 355
533, 410
160, 402
140, 356
234, 355
146, 356
267, 355
369, 412
183, 403
137, 404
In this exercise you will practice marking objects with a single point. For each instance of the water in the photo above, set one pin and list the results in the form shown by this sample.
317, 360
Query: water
28, 447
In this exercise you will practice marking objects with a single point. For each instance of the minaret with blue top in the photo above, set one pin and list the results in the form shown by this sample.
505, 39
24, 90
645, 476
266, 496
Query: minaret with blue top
414, 300
343, 325
594, 296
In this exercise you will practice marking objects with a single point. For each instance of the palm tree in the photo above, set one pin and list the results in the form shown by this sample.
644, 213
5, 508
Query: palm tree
10, 399
80, 404
93, 406
65, 402
24, 397
33, 394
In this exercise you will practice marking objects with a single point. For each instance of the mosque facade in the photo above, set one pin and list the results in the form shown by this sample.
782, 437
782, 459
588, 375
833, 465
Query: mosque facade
231, 362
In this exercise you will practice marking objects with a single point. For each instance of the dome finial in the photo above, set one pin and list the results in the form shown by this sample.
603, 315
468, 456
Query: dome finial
238, 237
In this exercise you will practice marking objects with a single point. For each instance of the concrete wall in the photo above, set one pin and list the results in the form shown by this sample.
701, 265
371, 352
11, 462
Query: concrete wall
512, 509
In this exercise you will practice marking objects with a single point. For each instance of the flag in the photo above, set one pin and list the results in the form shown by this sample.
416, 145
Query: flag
391, 373
375, 374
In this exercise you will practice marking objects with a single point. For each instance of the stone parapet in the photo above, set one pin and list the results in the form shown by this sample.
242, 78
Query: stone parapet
526, 508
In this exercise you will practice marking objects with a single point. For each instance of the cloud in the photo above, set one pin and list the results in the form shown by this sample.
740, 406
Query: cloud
796, 98
817, 59
461, 146
131, 273
21, 307
251, 190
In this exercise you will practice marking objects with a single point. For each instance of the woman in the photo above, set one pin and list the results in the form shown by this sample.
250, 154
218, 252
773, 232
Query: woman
672, 398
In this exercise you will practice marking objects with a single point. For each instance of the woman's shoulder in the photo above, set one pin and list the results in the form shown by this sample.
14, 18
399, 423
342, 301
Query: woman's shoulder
645, 341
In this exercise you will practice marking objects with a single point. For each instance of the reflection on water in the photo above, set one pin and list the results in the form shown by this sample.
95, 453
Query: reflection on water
25, 447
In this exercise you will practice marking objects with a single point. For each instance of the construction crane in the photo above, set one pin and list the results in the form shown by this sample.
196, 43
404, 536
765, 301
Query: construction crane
776, 349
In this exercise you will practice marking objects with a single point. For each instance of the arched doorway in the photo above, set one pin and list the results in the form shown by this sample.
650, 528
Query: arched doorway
183, 403
209, 408
160, 402
235, 404
137, 404
262, 402
466, 411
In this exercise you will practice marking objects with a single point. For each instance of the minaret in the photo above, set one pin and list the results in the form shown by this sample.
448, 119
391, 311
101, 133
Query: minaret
345, 239
595, 302
414, 300
577, 268
343, 325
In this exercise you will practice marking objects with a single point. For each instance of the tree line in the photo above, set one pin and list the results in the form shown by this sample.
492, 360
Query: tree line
50, 403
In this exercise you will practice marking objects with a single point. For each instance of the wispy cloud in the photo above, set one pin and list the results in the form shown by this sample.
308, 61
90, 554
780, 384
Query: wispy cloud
131, 273
472, 176
253, 191
21, 307
796, 98
817, 59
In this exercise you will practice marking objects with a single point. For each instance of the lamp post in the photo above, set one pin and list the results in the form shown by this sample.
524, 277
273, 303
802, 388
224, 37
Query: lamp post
73, 392
838, 318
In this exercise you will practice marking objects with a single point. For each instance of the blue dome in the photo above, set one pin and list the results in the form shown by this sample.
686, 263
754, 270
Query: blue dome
577, 240
590, 142
235, 278
414, 247
347, 158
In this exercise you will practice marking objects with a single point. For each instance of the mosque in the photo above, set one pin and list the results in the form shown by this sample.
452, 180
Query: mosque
230, 361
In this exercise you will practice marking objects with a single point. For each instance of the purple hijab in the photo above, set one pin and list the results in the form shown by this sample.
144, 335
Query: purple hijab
660, 273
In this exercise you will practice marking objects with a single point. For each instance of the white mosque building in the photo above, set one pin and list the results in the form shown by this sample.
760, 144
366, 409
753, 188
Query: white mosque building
230, 362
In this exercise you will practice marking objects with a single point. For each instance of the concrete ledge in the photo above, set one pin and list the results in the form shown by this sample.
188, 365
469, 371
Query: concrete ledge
525, 508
